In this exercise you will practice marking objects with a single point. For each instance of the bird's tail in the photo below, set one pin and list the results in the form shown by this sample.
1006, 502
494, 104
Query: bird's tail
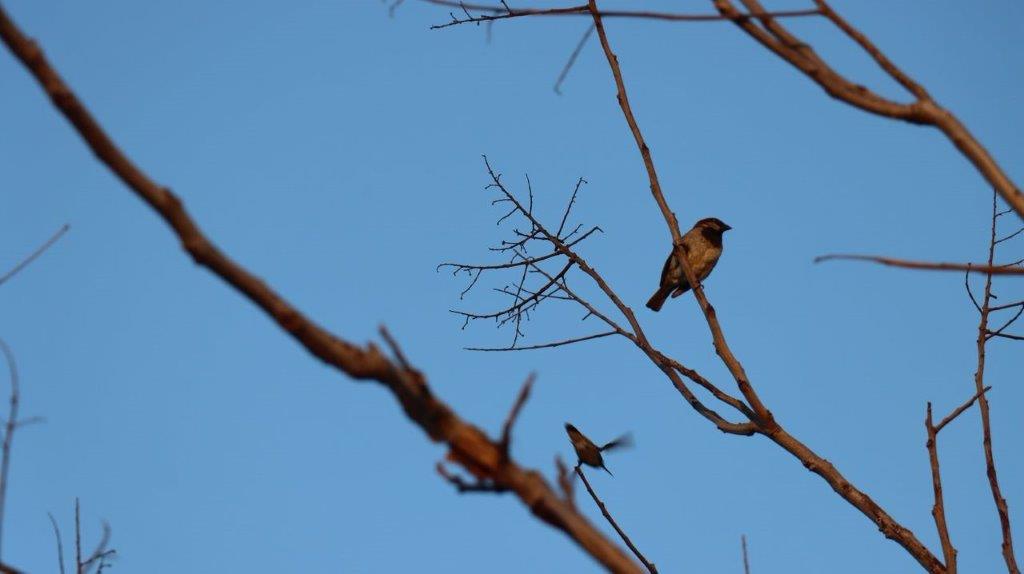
658, 299
606, 470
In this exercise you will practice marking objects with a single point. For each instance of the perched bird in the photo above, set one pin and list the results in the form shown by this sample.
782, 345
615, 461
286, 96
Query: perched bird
589, 453
703, 247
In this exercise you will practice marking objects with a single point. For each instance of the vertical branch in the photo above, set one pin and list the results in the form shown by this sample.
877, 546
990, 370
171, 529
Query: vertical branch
764, 420
60, 543
9, 427
939, 508
746, 561
78, 538
718, 337
649, 565
986, 428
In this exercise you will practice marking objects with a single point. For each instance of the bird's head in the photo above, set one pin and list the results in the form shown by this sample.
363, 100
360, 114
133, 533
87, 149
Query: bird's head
713, 224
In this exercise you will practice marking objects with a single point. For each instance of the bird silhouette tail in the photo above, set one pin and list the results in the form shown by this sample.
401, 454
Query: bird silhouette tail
606, 470
658, 299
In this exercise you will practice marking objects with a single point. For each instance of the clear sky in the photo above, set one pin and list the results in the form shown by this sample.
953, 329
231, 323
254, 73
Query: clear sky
336, 153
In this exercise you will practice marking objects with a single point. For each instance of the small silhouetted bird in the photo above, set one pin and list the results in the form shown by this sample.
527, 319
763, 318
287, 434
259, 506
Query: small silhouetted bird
589, 453
703, 247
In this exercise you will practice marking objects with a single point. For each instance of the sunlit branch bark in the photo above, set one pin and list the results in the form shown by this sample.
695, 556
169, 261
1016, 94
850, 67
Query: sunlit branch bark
765, 422
468, 444
924, 110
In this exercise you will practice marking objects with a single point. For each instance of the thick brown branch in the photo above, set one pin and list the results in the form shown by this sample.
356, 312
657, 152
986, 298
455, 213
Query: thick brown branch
1005, 269
765, 422
718, 338
775, 37
604, 510
469, 445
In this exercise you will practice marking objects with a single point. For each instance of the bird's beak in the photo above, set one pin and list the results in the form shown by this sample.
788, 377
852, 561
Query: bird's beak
726, 227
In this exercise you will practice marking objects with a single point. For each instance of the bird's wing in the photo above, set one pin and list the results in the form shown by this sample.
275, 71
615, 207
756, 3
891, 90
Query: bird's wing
579, 441
623, 441
664, 268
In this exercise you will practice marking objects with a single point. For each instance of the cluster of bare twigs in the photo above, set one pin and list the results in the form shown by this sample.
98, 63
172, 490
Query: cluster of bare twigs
98, 559
551, 284
13, 421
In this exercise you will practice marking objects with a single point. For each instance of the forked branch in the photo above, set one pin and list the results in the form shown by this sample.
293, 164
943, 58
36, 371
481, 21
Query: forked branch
468, 444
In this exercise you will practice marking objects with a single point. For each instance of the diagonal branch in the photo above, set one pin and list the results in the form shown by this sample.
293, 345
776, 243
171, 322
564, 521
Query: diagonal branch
35, 254
467, 443
765, 422
770, 33
622, 534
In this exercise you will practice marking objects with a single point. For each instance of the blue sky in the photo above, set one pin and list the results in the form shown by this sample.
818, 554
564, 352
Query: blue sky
335, 152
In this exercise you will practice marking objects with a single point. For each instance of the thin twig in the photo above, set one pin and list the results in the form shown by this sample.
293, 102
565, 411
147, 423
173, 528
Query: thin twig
979, 385
78, 539
959, 410
35, 254
572, 59
492, 13
60, 544
746, 561
1005, 269
10, 426
545, 345
513, 414
604, 510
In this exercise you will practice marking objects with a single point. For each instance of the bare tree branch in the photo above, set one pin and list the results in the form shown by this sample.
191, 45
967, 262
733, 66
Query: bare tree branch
572, 59
746, 561
35, 254
60, 544
959, 410
604, 510
764, 422
490, 13
506, 429
468, 444
10, 426
983, 406
545, 345
1004, 269
939, 508
770, 33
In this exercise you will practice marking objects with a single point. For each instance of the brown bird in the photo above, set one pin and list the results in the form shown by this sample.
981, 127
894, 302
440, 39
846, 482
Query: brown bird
589, 453
703, 247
